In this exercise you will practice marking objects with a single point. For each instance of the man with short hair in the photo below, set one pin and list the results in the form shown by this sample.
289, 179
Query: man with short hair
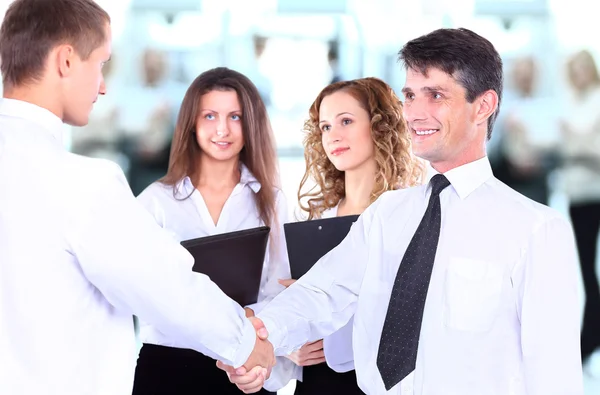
78, 255
461, 286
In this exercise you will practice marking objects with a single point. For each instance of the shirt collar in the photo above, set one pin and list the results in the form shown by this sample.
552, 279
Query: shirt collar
33, 113
247, 178
186, 186
466, 178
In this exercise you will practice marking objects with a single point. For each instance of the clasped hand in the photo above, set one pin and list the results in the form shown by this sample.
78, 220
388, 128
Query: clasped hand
251, 377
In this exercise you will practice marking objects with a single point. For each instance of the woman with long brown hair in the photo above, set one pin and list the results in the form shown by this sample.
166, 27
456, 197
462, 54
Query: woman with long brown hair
222, 177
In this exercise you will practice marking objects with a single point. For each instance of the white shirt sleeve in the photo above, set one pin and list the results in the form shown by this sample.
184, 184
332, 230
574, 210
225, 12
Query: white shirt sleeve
277, 264
150, 201
284, 371
278, 267
325, 298
338, 349
138, 268
546, 280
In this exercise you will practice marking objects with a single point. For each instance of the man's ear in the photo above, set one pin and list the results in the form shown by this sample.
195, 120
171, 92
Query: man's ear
487, 103
64, 57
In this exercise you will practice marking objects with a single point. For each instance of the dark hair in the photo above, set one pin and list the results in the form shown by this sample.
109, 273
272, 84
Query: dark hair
469, 58
397, 167
332, 52
32, 28
259, 152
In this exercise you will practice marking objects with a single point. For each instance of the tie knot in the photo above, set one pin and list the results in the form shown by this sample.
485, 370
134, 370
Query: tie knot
438, 183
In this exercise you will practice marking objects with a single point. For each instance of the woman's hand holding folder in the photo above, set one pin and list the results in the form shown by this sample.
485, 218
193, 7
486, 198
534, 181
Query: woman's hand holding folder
309, 354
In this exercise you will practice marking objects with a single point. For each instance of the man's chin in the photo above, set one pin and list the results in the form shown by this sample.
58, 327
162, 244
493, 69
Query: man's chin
77, 122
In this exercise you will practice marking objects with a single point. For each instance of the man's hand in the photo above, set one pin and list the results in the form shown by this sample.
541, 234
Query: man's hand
309, 354
259, 327
263, 354
248, 382
251, 377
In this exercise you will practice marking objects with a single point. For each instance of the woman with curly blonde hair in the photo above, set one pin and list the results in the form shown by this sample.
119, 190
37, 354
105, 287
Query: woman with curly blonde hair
357, 147
356, 142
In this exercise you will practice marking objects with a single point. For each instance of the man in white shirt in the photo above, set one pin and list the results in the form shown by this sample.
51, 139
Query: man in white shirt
488, 307
78, 255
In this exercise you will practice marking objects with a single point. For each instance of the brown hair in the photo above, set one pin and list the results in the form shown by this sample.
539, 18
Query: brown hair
397, 166
259, 153
32, 28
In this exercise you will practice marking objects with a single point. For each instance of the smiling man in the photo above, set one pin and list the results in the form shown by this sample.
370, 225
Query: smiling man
461, 286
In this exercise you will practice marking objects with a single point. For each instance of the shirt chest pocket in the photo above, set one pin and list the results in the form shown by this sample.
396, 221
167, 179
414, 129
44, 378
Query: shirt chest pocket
472, 294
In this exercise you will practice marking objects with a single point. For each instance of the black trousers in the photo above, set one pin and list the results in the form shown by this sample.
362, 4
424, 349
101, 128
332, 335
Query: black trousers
174, 371
322, 380
586, 225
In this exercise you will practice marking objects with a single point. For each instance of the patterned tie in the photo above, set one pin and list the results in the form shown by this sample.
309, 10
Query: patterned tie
399, 342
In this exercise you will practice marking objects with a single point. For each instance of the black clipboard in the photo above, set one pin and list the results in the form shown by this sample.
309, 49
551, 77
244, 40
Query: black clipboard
234, 261
309, 241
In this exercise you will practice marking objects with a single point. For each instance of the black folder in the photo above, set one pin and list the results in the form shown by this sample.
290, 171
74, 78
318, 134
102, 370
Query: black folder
233, 261
309, 241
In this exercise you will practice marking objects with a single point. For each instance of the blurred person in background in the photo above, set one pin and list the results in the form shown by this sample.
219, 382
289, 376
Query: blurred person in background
580, 172
333, 59
146, 121
528, 131
262, 82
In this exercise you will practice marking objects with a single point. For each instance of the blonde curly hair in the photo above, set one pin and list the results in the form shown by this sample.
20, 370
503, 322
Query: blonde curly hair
396, 164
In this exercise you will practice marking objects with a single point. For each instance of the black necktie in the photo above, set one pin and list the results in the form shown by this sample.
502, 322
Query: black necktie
399, 342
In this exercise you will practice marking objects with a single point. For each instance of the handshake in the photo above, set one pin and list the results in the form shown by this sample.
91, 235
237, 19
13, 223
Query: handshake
251, 377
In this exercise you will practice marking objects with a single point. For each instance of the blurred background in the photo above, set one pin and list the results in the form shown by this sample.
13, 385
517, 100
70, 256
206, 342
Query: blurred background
546, 143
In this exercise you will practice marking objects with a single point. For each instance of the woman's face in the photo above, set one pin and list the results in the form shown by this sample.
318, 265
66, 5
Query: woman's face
219, 125
345, 131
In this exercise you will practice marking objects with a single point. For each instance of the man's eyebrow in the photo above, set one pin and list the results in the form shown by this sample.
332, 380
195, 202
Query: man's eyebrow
435, 88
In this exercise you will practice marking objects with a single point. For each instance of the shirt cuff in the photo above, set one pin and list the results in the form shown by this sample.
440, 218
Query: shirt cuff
277, 335
257, 307
337, 348
247, 343
282, 374
341, 367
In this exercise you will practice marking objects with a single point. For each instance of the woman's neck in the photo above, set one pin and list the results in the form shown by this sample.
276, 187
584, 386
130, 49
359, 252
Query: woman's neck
218, 175
359, 184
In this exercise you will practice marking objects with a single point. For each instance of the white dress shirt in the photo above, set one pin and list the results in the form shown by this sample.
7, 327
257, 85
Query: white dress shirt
189, 218
502, 314
79, 256
338, 346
